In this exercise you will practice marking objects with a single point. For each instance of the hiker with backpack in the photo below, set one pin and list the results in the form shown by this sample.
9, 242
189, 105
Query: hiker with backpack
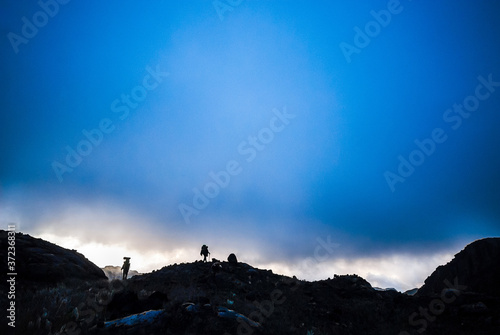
204, 252
125, 267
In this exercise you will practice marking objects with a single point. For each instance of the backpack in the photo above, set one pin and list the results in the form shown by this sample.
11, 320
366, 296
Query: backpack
204, 250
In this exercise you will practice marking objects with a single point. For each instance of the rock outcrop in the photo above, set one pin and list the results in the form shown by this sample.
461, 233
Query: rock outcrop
475, 269
232, 259
41, 261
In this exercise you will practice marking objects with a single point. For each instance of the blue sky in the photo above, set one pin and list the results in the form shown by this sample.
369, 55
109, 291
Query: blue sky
324, 121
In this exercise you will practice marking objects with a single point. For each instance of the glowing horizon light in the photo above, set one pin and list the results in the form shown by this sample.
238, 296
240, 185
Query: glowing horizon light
400, 271
112, 255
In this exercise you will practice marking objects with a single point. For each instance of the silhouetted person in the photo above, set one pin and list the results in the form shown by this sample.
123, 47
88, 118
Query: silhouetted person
125, 267
204, 252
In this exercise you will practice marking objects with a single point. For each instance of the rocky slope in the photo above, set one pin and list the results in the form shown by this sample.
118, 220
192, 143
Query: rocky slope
476, 269
41, 261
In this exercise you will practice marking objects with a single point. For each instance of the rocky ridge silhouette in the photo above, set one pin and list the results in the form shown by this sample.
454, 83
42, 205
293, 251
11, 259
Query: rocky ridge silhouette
476, 267
41, 261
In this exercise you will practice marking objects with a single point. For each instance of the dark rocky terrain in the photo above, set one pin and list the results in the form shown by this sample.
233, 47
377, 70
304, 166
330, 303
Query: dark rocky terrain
236, 298
41, 261
477, 267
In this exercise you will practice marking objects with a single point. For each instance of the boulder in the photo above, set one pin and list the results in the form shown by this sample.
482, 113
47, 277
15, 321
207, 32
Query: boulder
232, 259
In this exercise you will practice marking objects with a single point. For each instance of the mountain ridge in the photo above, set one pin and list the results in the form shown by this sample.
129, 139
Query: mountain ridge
477, 267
